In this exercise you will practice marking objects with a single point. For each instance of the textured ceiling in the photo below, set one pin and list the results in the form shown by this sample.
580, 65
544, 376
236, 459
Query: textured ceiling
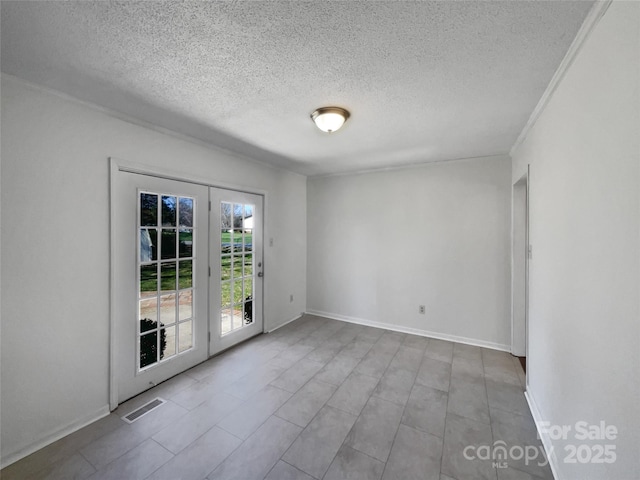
424, 81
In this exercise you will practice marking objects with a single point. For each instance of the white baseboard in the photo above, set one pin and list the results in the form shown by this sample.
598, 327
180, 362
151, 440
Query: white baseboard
284, 323
413, 331
544, 436
54, 436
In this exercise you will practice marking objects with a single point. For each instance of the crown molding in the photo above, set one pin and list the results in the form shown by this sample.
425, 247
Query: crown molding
593, 17
139, 122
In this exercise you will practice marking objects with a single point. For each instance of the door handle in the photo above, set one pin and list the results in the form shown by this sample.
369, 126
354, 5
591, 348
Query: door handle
260, 274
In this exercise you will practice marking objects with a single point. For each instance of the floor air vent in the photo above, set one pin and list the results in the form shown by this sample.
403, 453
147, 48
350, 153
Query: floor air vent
143, 410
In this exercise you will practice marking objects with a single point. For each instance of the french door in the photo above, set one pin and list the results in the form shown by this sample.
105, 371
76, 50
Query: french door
236, 260
187, 262
161, 279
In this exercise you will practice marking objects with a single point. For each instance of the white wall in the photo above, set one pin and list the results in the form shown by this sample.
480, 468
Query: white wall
584, 322
380, 244
55, 251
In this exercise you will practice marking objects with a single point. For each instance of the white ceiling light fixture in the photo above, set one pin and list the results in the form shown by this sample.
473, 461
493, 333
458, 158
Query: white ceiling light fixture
330, 119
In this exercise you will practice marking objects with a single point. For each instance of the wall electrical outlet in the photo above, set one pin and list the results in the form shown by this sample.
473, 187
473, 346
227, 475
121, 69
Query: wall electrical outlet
421, 309
291, 298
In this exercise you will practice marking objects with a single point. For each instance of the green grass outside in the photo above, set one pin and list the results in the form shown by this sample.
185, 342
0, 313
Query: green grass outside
238, 270
225, 237
235, 267
238, 296
231, 266
149, 276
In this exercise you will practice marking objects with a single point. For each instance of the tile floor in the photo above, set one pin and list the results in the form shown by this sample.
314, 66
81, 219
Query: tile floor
316, 399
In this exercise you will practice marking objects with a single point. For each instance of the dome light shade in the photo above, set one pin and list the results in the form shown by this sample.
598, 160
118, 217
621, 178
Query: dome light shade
330, 119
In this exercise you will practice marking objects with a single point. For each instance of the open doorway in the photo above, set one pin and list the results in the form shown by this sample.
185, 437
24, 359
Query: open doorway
520, 269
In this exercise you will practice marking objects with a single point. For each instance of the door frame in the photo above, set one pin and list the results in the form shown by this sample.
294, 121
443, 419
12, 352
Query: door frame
115, 167
520, 258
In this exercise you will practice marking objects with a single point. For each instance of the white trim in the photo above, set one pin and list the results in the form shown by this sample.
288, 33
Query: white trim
284, 323
55, 436
407, 166
521, 182
168, 174
413, 331
527, 270
113, 381
593, 17
151, 126
544, 436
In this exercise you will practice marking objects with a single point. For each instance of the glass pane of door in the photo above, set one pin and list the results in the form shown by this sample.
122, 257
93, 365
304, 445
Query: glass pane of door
166, 283
236, 266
